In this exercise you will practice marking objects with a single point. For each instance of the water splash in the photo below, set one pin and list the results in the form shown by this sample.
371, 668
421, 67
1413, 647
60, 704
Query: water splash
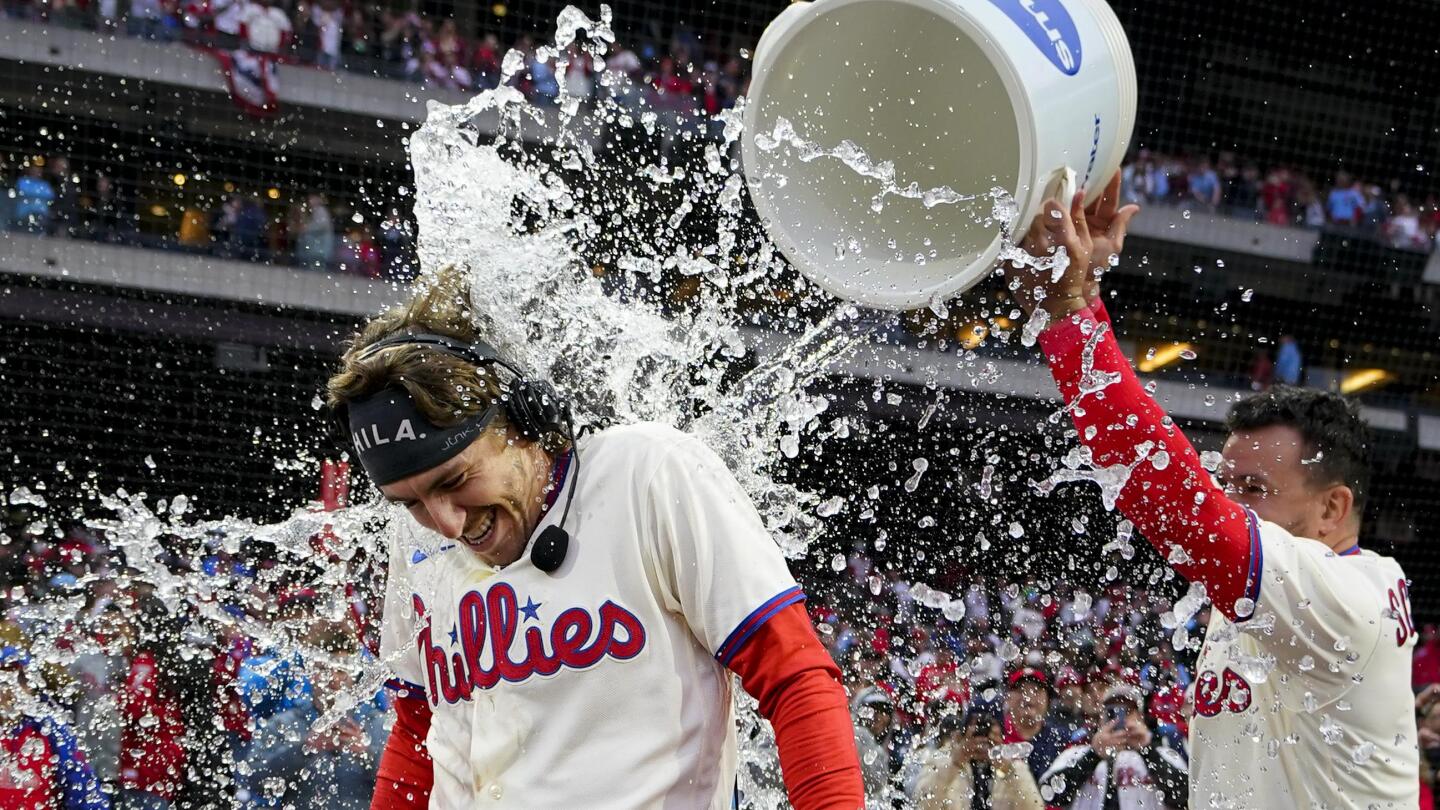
857, 160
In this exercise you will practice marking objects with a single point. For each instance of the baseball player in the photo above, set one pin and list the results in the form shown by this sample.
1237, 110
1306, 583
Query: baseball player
1303, 693
564, 632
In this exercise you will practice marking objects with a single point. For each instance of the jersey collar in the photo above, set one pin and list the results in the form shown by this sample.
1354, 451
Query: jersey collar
559, 474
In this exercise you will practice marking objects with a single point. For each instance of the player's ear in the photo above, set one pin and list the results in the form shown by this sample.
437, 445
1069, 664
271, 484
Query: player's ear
1337, 507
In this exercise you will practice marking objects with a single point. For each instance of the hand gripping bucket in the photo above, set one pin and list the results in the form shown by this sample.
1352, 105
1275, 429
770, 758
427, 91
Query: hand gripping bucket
1033, 97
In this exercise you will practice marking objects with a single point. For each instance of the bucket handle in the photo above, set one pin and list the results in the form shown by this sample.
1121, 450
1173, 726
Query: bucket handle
1061, 187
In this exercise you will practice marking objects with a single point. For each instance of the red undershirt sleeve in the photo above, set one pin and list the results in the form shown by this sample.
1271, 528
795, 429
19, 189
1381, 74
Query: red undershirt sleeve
784, 667
1169, 496
406, 773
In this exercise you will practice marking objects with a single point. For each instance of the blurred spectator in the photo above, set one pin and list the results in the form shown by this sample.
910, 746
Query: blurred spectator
1027, 718
623, 60
940, 680
400, 42
673, 88
360, 39
485, 62
328, 20
434, 74
357, 254
1345, 204
1122, 765
167, 710
874, 732
1242, 193
228, 19
1427, 713
1275, 198
65, 211
42, 766
240, 228
579, 83
1068, 711
1204, 187
396, 249
545, 88
153, 19
447, 46
329, 767
1403, 229
1426, 667
1374, 210
103, 214
1311, 210
315, 234
971, 768
267, 27
33, 197
1262, 370
1147, 182
1289, 365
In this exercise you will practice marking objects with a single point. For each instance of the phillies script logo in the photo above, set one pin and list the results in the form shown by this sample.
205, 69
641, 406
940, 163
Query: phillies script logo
1215, 694
488, 632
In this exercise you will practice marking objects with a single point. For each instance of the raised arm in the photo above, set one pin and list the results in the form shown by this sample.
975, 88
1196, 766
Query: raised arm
1168, 495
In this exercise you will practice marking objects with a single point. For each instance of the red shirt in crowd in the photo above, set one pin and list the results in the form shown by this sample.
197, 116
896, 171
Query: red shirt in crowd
151, 756
29, 777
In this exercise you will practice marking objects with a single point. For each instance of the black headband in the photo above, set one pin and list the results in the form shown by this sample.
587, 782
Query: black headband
394, 440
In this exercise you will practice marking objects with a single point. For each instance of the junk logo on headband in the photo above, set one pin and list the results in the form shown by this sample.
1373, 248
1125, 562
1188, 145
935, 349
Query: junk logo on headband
395, 440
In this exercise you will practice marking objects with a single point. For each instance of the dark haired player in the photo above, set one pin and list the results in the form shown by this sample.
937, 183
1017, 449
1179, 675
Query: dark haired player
1303, 697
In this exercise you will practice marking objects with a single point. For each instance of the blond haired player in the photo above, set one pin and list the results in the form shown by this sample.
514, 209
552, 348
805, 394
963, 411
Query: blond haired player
566, 637
1303, 694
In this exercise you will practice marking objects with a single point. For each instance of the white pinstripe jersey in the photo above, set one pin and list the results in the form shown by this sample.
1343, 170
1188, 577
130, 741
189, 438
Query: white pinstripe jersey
601, 685
1307, 704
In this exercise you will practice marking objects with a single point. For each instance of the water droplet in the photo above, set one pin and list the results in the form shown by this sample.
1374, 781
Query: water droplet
1330, 730
1016, 530
837, 563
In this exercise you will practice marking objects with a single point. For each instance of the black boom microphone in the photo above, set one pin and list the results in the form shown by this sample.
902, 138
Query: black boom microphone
554, 543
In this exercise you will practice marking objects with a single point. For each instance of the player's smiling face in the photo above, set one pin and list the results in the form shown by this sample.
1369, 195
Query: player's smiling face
488, 498
1265, 469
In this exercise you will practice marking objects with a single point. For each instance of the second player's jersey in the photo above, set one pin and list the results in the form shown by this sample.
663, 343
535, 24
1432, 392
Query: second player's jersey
1307, 704
603, 685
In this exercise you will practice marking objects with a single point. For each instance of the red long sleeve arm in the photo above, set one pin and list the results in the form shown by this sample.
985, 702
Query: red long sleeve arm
406, 772
786, 669
1169, 496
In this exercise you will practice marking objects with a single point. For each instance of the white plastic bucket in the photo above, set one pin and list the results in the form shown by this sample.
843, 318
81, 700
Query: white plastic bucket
1029, 96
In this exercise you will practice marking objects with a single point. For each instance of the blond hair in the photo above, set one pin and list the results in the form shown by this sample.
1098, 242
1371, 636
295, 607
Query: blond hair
445, 389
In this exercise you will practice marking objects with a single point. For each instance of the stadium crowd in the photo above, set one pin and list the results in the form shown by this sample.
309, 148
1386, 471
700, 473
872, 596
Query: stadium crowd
1282, 195
312, 232
1018, 693
687, 73
316, 231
